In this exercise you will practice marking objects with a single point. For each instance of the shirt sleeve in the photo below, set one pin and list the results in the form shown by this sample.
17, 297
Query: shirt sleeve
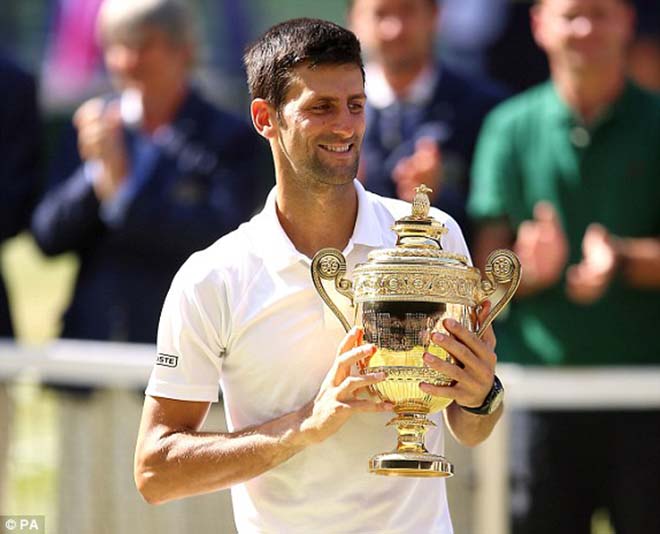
493, 171
192, 334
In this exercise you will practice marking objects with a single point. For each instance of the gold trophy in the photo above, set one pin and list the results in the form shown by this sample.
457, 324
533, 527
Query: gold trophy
401, 296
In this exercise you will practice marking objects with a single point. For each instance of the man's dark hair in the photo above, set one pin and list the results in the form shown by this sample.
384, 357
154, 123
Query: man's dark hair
269, 62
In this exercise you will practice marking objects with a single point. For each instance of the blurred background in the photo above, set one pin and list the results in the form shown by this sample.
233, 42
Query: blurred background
55, 41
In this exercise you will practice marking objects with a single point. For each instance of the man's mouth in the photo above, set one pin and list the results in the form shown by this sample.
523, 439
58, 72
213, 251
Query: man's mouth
337, 148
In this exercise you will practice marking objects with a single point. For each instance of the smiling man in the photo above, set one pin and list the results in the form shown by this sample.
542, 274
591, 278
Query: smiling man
243, 316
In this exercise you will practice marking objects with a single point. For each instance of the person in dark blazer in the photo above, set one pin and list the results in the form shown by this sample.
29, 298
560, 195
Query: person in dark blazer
20, 135
161, 173
423, 118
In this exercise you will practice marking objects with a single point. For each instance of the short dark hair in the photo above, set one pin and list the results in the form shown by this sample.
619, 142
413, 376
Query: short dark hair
269, 62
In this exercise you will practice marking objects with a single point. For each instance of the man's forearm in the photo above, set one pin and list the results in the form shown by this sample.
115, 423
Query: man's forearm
185, 463
470, 429
640, 261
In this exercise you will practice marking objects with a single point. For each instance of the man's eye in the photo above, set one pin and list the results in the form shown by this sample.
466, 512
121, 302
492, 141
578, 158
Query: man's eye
320, 108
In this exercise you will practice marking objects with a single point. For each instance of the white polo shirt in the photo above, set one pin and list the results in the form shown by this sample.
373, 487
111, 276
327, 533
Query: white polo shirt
243, 315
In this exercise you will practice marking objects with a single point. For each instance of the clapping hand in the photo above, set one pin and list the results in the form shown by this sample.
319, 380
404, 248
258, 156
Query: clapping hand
587, 281
423, 167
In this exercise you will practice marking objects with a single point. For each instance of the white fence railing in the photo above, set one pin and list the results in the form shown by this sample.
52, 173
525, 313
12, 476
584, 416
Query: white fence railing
128, 366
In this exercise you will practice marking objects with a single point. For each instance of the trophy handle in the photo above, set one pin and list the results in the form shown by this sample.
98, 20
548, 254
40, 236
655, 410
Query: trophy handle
502, 267
330, 264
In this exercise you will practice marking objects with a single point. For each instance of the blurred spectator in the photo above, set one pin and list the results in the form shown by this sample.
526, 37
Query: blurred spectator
19, 172
568, 173
645, 50
422, 117
163, 174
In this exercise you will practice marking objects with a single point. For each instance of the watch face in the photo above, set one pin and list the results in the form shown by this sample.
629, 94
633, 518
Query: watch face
496, 397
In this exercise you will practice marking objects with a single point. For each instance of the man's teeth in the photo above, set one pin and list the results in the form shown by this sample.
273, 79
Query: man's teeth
337, 148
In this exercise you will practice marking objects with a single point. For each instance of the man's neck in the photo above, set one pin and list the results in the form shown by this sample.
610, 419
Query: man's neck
315, 217
589, 94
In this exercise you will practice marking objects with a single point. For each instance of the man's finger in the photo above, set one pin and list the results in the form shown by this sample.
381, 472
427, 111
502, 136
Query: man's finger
450, 370
352, 338
354, 355
546, 213
353, 383
89, 111
448, 392
477, 347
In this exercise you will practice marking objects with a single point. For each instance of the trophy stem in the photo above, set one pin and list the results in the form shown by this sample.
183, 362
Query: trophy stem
411, 428
411, 457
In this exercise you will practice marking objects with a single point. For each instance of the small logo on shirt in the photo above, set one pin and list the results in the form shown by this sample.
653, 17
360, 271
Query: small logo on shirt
167, 360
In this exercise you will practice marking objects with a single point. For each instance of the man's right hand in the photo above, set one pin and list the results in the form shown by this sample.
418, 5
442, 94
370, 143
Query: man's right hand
542, 248
100, 139
338, 398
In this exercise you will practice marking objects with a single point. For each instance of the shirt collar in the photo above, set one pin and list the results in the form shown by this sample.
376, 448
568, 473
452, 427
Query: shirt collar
279, 253
558, 108
381, 95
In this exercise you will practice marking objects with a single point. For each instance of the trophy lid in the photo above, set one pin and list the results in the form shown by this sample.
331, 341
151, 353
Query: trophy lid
419, 238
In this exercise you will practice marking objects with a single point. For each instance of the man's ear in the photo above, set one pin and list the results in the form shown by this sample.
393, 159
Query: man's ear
535, 14
263, 118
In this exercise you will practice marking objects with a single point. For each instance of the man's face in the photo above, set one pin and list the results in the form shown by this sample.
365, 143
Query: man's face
149, 62
583, 34
398, 33
321, 124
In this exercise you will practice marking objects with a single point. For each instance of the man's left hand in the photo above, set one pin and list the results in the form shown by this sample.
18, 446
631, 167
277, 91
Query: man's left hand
474, 371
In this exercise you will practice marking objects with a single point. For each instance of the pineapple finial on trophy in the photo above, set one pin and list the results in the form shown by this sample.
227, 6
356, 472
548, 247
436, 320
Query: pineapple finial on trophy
421, 203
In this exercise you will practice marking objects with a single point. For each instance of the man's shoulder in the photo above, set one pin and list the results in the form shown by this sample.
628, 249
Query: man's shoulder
521, 109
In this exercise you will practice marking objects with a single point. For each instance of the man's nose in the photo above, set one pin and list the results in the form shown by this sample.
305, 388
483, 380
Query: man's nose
581, 26
390, 28
123, 58
347, 123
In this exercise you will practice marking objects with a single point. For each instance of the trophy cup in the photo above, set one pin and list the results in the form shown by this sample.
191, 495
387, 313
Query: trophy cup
401, 296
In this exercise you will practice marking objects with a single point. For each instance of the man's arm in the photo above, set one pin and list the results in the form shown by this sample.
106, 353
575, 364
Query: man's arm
173, 459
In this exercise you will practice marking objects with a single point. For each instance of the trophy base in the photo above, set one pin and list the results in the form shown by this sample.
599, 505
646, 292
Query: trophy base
410, 464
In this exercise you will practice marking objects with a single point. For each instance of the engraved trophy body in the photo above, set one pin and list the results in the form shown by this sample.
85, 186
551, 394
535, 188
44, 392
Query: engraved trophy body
401, 296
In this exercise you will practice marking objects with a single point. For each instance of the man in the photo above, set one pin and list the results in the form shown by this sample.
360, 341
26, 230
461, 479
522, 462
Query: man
244, 314
568, 172
422, 117
163, 173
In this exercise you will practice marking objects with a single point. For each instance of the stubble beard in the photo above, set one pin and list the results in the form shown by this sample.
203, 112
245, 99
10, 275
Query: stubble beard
318, 172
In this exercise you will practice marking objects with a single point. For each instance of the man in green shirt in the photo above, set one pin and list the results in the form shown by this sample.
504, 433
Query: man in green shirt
568, 174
